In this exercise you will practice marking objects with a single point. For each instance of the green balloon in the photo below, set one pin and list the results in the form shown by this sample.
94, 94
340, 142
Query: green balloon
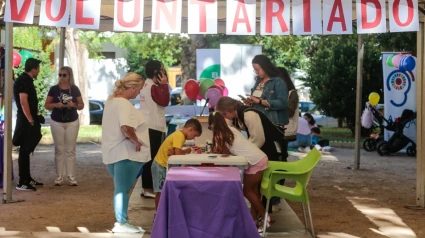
25, 55
211, 72
205, 85
390, 61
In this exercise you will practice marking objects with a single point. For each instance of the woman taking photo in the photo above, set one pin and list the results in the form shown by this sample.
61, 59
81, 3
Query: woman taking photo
125, 145
64, 99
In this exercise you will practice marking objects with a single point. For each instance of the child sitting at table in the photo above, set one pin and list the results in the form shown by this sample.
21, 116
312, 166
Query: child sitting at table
228, 140
173, 142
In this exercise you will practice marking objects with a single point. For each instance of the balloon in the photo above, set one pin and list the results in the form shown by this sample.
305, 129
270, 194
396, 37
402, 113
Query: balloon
25, 55
373, 98
219, 82
201, 79
225, 91
390, 60
396, 60
191, 89
407, 63
213, 94
205, 85
17, 59
219, 88
199, 96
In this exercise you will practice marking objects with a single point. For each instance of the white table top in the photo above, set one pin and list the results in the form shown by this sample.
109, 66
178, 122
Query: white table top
203, 158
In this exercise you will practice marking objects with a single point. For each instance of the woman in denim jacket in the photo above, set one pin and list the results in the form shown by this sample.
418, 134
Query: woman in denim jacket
269, 94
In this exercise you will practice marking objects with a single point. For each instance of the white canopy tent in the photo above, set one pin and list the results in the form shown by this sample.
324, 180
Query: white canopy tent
106, 24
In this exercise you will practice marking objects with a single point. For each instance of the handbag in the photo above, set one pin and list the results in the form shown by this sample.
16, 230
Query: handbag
367, 117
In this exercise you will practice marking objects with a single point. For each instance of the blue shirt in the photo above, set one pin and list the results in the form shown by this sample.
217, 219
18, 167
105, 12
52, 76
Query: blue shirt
275, 93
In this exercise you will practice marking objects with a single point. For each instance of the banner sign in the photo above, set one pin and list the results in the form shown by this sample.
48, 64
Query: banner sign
327, 17
399, 89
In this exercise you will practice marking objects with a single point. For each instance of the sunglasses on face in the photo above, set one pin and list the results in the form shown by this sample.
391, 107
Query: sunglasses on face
62, 75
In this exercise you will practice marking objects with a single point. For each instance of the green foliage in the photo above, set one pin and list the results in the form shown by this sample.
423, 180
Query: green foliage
27, 37
94, 42
144, 47
332, 70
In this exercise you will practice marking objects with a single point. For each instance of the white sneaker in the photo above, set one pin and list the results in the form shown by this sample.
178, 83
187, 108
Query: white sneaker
307, 149
147, 194
72, 181
59, 180
300, 149
126, 228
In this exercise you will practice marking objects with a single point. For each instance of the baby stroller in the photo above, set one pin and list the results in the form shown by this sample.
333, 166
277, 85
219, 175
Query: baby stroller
379, 121
398, 140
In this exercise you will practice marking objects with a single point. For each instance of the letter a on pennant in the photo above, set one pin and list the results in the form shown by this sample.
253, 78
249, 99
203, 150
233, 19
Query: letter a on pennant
128, 15
241, 17
337, 17
166, 16
371, 16
21, 11
54, 13
403, 15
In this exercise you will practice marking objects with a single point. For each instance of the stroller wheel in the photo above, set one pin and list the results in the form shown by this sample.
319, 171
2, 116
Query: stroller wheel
383, 148
411, 151
369, 144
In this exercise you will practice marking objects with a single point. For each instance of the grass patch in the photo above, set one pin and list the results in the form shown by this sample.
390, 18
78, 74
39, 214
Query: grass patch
85, 132
338, 134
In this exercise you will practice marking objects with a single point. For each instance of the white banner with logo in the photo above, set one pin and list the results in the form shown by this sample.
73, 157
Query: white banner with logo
399, 89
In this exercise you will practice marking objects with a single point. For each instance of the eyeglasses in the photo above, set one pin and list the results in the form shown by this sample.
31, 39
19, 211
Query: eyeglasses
62, 75
256, 70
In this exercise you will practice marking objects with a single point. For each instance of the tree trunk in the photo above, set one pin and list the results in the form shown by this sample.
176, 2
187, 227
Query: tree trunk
188, 61
77, 55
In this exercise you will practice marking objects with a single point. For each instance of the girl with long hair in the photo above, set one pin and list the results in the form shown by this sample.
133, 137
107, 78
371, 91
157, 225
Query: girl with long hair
228, 140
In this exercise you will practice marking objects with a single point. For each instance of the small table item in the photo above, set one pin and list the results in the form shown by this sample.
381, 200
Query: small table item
203, 202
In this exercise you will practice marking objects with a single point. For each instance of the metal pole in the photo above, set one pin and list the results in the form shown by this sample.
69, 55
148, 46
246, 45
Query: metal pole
360, 51
7, 149
62, 46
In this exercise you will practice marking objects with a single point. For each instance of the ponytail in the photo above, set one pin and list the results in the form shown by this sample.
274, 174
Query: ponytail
222, 135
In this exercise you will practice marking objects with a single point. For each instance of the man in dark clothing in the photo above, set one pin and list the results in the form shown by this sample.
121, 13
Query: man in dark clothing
28, 129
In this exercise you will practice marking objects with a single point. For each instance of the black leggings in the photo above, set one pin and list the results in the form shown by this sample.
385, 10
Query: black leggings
155, 138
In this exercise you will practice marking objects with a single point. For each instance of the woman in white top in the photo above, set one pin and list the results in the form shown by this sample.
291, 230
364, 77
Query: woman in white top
125, 145
228, 140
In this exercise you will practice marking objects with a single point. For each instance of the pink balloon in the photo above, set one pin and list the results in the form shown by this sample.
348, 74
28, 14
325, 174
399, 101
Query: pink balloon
219, 88
213, 94
396, 60
199, 96
17, 59
219, 82
225, 91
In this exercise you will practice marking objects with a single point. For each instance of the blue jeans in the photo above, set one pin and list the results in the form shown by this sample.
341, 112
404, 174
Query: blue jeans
124, 175
302, 141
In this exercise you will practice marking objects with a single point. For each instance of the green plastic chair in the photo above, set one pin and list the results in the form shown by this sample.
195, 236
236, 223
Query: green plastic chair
299, 171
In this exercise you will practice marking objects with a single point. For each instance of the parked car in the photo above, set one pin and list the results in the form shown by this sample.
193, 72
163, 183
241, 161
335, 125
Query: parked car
96, 111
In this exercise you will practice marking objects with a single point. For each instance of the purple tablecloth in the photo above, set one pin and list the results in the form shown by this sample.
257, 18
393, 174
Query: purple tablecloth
203, 202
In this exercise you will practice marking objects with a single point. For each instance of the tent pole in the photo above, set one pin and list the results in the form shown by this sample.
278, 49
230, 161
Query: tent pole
62, 46
420, 134
360, 51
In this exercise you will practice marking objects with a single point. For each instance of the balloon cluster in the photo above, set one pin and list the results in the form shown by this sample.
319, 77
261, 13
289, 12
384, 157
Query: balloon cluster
20, 57
404, 62
206, 88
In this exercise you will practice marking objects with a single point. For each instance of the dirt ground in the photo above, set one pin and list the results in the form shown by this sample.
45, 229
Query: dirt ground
345, 202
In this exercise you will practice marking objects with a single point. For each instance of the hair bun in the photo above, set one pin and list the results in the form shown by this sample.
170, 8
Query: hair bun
119, 83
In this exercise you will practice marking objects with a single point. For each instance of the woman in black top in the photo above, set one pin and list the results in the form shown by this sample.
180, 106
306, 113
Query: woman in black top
64, 99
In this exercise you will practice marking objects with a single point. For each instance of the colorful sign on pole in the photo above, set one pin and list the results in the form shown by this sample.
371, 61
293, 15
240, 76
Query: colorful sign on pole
399, 89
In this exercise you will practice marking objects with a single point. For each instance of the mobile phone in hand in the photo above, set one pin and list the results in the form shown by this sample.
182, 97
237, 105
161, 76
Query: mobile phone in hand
242, 97
158, 74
